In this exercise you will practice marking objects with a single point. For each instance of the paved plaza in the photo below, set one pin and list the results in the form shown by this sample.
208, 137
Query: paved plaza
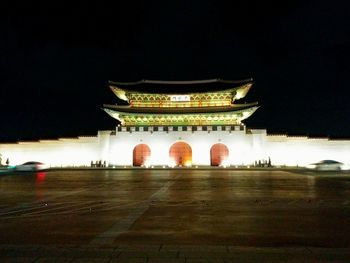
176, 215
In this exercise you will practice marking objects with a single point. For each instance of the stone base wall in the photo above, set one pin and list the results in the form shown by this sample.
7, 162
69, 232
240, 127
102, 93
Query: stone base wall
115, 148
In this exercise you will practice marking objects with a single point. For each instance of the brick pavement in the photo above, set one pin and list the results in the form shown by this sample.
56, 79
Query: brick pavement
170, 254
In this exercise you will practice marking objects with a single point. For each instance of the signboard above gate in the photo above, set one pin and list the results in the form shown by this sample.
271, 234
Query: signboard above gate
180, 97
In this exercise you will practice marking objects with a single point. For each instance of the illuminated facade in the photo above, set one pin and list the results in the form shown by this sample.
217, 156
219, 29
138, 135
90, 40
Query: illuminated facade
162, 128
178, 129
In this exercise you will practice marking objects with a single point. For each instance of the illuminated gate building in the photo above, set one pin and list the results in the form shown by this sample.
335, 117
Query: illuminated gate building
180, 129
167, 124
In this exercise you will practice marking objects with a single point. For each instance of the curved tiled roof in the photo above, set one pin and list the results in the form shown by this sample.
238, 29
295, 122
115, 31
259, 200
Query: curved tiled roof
179, 110
176, 87
181, 82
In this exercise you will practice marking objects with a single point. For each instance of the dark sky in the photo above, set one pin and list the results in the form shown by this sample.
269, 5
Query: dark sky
56, 60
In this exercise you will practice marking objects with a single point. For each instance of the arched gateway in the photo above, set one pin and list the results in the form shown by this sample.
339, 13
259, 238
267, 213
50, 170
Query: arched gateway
180, 154
141, 155
218, 154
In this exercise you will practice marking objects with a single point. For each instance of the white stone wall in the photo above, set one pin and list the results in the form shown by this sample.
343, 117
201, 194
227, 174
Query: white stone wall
116, 148
301, 151
62, 152
245, 147
240, 144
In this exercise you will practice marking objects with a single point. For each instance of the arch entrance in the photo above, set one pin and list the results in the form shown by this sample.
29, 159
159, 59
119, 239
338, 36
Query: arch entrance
180, 154
141, 155
218, 154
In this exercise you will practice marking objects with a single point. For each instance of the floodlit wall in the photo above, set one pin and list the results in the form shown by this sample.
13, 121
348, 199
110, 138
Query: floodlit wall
78, 151
245, 147
240, 145
116, 148
302, 151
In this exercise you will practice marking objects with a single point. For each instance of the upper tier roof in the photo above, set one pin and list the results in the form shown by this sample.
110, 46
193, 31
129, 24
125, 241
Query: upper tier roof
123, 89
147, 82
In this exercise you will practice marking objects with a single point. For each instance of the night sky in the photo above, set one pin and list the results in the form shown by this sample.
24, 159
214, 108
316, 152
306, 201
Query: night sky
56, 60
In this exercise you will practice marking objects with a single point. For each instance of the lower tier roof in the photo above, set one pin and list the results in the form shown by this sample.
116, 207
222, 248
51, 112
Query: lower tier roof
178, 110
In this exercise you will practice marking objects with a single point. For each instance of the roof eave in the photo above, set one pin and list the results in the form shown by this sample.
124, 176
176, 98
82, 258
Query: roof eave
120, 93
119, 111
239, 91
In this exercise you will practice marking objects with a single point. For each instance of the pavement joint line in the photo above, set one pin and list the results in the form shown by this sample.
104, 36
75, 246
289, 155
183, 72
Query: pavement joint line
125, 223
50, 199
34, 204
47, 211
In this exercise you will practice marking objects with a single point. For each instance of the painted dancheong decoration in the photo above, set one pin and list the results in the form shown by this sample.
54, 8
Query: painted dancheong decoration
210, 107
